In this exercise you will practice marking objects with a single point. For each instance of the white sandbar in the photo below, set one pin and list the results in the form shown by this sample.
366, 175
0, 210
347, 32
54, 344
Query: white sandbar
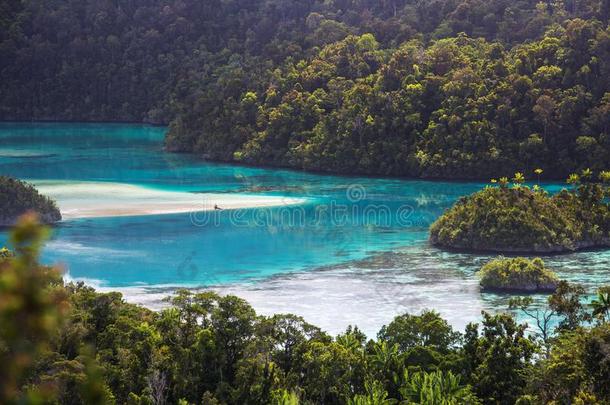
87, 199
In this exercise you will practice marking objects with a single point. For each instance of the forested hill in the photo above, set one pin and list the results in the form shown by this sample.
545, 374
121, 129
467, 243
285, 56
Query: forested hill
430, 88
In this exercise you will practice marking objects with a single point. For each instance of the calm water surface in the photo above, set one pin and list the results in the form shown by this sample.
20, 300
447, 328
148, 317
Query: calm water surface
355, 252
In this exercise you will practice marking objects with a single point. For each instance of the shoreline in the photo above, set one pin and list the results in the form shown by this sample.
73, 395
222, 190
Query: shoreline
91, 199
61, 121
583, 247
319, 172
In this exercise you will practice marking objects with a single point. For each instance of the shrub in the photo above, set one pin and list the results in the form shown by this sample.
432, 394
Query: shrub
517, 274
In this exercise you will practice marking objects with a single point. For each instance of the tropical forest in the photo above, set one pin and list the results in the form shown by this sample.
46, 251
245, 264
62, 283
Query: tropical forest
282, 202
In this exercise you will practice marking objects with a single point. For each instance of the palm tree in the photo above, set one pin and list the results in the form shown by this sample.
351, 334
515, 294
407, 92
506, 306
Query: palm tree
384, 355
503, 181
573, 179
350, 342
601, 304
518, 179
375, 395
538, 173
436, 388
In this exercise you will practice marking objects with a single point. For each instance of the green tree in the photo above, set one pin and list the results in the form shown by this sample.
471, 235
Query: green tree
566, 302
500, 358
427, 329
437, 388
518, 179
601, 305
375, 395
596, 358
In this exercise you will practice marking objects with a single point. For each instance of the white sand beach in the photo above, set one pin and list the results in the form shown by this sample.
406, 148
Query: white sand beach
86, 199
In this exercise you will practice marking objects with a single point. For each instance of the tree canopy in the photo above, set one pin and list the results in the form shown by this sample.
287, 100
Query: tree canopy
66, 343
443, 88
18, 197
500, 218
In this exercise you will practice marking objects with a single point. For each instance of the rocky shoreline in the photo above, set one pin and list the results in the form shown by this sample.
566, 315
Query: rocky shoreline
533, 288
532, 250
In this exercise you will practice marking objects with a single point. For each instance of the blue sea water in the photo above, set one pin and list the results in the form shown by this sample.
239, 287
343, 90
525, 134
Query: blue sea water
354, 251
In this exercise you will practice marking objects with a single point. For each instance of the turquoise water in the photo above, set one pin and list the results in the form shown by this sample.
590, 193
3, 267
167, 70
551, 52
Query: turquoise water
355, 251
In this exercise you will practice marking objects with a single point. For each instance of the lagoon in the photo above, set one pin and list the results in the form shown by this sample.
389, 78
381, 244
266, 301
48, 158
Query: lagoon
336, 250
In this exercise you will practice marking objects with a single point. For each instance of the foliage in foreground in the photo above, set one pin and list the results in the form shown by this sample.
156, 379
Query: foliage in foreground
523, 219
69, 344
517, 274
18, 197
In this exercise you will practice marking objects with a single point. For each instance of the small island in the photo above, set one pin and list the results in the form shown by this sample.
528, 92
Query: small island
517, 274
520, 219
18, 197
